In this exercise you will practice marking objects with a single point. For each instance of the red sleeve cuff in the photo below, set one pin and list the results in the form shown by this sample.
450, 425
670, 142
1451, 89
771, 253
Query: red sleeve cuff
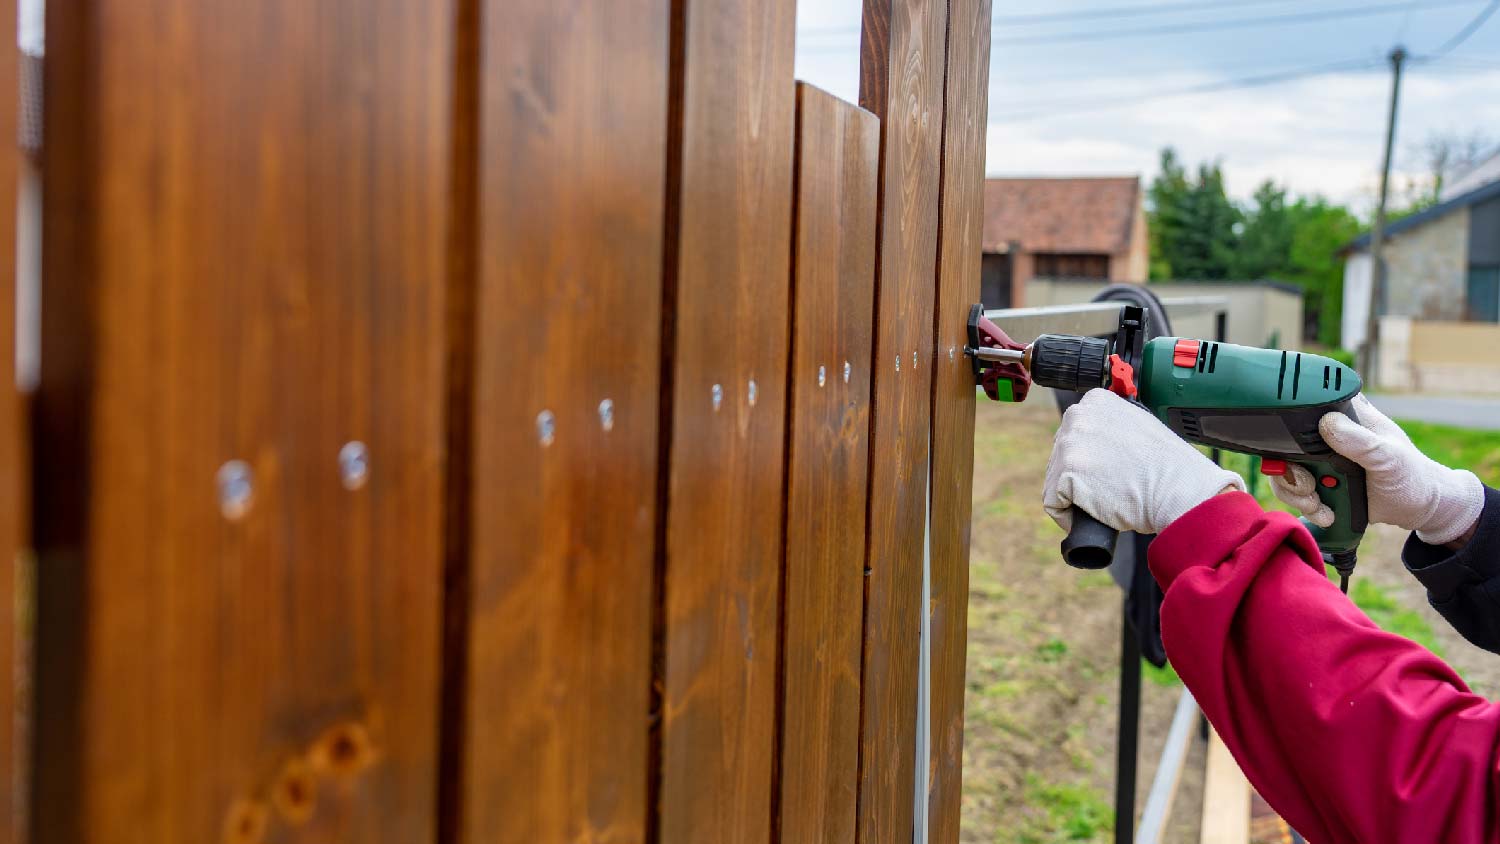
1211, 533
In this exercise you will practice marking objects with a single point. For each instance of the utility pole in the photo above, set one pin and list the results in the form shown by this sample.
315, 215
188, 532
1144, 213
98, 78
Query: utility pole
1369, 358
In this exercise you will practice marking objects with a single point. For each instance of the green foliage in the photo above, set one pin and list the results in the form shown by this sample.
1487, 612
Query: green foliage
1072, 813
1266, 240
1192, 223
1343, 356
1320, 230
1052, 650
1197, 233
1460, 448
1164, 676
1390, 616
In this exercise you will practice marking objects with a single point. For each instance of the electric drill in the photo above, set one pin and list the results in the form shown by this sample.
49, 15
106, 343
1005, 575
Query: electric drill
1262, 402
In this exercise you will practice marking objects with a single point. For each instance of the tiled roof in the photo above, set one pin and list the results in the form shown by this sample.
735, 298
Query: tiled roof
1061, 215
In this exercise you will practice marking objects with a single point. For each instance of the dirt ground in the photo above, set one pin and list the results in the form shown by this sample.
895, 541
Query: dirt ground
1044, 652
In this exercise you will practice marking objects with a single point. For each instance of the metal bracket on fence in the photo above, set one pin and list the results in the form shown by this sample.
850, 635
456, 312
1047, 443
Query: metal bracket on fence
1099, 318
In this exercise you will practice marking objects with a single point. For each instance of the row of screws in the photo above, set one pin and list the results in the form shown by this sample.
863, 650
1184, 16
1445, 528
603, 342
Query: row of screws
237, 483
546, 423
237, 488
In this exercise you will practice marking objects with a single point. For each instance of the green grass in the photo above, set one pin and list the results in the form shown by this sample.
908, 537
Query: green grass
1052, 650
1477, 451
1390, 616
1164, 676
1071, 813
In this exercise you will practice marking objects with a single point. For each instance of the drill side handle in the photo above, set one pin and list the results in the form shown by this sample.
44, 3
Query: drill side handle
1090, 545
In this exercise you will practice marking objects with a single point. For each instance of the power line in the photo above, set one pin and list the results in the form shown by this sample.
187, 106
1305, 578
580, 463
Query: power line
1197, 26
1463, 34
1098, 104
1234, 23
1130, 11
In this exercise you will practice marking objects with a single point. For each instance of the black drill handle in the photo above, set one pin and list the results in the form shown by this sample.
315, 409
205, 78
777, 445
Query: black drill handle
1090, 544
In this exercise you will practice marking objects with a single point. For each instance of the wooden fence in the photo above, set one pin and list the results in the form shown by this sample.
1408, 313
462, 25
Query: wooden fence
497, 422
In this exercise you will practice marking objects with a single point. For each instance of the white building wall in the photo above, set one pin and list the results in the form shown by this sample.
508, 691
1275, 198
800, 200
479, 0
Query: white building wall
1358, 276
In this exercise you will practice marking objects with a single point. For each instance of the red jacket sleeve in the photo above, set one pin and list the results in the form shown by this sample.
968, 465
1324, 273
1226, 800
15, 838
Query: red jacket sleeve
1352, 734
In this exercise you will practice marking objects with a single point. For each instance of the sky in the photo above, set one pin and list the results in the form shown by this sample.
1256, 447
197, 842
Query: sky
1078, 88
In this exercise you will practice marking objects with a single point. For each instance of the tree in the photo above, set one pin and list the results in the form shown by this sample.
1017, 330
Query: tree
1319, 230
1440, 159
1197, 233
1265, 246
1192, 222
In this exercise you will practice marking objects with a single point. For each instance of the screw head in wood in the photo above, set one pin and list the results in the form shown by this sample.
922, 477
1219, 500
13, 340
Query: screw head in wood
546, 427
236, 489
354, 465
950, 353
913, 360
822, 375
753, 392
718, 395
898, 363
846, 372
607, 415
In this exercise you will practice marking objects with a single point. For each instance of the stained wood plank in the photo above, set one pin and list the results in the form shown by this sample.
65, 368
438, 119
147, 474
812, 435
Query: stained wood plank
14, 462
572, 159
901, 81
245, 231
727, 290
838, 157
960, 228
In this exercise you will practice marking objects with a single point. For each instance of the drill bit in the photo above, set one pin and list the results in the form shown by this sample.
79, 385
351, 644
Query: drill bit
1000, 355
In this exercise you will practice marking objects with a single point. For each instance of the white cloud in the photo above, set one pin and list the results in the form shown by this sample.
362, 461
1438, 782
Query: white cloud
1319, 135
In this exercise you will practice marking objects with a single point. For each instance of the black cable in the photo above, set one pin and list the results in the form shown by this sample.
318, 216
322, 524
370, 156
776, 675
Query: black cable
1131, 11
1183, 28
1098, 104
1463, 34
1234, 23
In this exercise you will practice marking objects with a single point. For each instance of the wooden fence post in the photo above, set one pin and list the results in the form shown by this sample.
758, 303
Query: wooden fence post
901, 81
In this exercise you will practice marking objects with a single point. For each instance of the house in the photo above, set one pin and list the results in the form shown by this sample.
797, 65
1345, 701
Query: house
1084, 228
1475, 176
1442, 264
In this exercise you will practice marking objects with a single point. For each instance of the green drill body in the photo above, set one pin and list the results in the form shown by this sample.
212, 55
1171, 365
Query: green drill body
1265, 403
1262, 402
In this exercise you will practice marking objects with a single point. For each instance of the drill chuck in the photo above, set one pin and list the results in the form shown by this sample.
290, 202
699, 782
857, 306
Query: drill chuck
1076, 364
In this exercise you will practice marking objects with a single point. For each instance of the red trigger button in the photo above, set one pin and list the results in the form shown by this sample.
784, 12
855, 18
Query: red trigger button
1185, 353
1122, 378
1273, 468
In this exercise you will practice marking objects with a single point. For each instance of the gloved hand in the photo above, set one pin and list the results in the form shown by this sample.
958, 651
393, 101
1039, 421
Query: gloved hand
1405, 487
1125, 468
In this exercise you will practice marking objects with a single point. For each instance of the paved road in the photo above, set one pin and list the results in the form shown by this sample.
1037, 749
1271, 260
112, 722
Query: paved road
1477, 413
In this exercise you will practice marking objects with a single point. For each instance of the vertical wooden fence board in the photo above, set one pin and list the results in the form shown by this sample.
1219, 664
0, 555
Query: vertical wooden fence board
727, 290
14, 462
838, 158
244, 250
901, 80
965, 115
572, 160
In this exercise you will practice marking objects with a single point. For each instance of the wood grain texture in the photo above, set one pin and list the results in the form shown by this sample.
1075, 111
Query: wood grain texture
960, 229
572, 159
727, 291
244, 251
14, 459
904, 87
838, 161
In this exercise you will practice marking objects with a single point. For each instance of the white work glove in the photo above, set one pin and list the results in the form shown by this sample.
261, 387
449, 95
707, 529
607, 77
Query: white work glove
1405, 487
1124, 467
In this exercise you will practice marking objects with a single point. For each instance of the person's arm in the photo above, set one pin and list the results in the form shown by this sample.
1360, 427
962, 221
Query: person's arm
1351, 733
1463, 577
